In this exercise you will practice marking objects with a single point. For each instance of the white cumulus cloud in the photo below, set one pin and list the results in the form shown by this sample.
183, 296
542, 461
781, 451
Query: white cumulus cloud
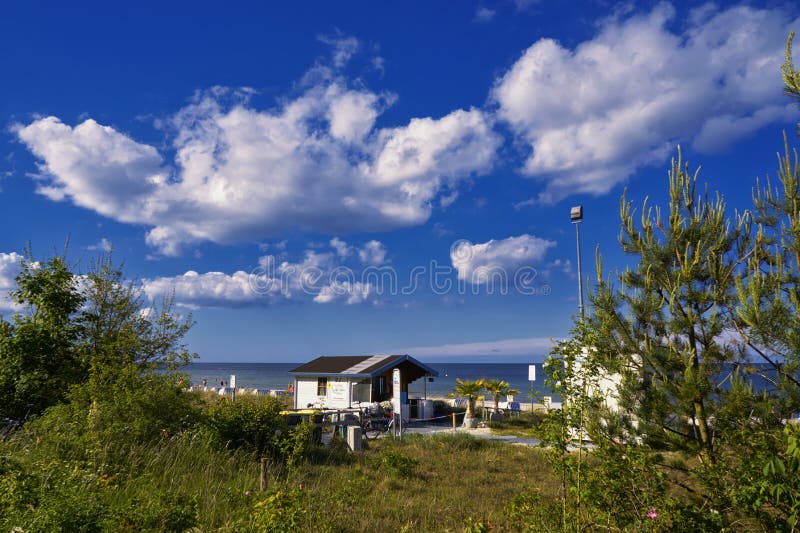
345, 291
104, 245
478, 263
373, 253
95, 166
211, 289
317, 277
594, 114
316, 162
342, 248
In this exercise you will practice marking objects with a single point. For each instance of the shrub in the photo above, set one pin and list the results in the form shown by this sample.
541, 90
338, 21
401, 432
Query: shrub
478, 525
17, 491
59, 501
399, 464
300, 444
100, 423
530, 511
164, 511
254, 423
284, 510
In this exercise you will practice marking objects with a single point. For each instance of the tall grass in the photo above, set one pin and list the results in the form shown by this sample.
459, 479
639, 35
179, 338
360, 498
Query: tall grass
218, 480
56, 476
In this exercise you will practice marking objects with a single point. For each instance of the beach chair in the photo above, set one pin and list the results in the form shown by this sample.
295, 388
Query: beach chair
459, 403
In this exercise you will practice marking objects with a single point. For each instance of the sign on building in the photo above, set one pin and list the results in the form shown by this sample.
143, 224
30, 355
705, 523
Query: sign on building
337, 393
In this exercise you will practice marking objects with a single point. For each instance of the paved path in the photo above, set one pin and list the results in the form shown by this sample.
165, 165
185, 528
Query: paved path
481, 433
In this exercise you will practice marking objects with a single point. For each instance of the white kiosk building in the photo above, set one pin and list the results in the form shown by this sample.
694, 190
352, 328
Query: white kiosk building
343, 381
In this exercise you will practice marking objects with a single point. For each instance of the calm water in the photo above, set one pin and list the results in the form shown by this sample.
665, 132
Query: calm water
276, 376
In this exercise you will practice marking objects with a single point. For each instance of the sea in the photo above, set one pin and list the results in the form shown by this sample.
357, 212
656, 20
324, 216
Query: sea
276, 376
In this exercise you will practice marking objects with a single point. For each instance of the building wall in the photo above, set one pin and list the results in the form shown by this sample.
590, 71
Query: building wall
305, 392
337, 393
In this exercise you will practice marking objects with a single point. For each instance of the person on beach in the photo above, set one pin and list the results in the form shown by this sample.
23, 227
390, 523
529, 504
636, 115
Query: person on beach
205, 382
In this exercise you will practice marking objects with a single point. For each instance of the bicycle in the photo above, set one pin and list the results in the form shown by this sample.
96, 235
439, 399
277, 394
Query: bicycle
373, 427
373, 421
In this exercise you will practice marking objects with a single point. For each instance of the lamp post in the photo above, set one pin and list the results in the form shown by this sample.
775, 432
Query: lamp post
576, 215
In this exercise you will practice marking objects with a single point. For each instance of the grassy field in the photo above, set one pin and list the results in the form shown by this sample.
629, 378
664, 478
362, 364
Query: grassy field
182, 482
431, 483
58, 476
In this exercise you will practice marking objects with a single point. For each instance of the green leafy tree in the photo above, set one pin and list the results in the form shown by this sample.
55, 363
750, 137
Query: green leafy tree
133, 353
39, 358
90, 330
120, 330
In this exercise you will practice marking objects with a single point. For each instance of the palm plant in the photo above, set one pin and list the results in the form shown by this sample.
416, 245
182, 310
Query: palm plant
498, 387
471, 390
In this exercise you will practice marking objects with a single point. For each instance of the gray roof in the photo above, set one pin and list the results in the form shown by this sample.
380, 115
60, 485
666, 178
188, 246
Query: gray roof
357, 366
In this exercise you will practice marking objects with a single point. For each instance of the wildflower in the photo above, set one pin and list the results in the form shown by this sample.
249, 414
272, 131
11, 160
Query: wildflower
248, 492
652, 514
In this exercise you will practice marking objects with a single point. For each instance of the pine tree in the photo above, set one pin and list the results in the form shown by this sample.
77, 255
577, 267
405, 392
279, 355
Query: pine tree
663, 328
791, 77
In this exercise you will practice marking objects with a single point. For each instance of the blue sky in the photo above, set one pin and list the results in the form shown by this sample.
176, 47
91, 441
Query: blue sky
361, 177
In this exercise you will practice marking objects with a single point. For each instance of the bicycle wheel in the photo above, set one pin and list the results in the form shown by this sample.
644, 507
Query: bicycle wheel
371, 430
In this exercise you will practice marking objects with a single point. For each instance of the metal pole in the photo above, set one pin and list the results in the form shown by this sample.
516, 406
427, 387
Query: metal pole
580, 273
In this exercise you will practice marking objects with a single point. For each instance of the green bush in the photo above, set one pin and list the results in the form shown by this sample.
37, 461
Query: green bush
531, 511
477, 525
164, 511
251, 423
399, 464
300, 444
284, 510
101, 422
68, 508
49, 499
18, 490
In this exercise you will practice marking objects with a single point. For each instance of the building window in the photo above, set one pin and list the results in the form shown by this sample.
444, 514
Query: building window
362, 390
322, 386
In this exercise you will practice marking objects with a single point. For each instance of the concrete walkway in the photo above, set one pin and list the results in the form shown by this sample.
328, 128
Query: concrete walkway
481, 433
